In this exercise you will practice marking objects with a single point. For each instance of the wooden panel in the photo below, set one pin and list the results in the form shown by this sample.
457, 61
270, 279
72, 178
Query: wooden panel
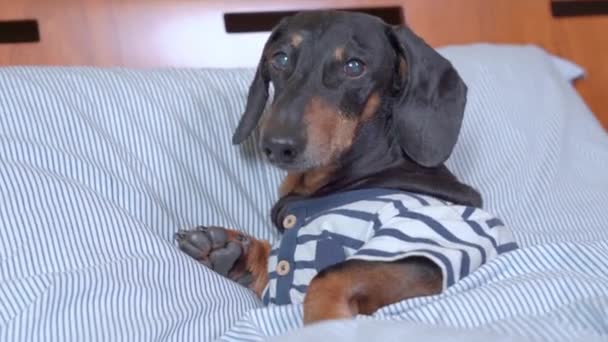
443, 22
585, 41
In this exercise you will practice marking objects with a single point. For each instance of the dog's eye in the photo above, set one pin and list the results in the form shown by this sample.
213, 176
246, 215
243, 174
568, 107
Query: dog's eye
354, 68
280, 61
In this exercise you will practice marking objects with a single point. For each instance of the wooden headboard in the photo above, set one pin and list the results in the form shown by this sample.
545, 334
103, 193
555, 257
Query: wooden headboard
192, 33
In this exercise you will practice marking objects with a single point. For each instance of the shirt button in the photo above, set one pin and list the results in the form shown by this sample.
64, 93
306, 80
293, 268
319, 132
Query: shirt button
283, 267
289, 221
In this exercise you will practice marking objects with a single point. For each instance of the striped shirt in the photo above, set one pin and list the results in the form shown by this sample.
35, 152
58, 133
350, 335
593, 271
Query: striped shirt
380, 225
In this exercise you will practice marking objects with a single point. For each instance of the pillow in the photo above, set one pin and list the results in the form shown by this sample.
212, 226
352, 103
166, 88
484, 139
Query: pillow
531, 145
99, 167
569, 70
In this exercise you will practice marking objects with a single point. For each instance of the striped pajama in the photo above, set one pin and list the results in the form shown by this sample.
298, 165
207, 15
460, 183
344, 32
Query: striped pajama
379, 225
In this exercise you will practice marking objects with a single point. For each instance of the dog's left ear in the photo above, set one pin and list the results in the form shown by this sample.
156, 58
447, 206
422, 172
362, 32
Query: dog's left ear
258, 92
256, 102
431, 98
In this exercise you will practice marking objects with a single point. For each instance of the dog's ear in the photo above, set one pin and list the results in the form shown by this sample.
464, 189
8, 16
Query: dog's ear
256, 102
430, 100
258, 92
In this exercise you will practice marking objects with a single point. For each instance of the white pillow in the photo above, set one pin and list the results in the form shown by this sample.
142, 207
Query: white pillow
570, 70
531, 145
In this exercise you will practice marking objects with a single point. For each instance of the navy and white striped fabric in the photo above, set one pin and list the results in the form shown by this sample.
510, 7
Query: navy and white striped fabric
99, 167
379, 225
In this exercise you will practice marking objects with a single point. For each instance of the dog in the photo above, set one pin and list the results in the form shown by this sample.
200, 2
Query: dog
364, 116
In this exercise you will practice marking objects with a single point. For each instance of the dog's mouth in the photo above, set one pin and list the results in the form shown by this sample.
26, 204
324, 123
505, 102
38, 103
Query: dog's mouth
295, 166
298, 164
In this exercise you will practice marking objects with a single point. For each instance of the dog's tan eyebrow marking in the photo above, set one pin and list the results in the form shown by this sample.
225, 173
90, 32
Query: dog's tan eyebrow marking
296, 39
339, 54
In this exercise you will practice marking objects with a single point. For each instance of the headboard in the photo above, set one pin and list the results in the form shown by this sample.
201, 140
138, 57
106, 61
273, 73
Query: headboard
193, 33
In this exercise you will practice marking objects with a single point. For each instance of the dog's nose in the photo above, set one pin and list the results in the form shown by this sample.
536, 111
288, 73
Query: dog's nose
280, 150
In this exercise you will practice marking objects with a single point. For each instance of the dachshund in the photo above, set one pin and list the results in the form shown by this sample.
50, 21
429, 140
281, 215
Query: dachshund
363, 117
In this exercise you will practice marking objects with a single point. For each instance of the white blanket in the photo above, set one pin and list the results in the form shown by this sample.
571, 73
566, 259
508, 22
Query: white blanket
99, 167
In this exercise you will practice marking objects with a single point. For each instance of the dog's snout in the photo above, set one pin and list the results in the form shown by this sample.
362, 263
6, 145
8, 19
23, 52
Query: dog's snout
281, 150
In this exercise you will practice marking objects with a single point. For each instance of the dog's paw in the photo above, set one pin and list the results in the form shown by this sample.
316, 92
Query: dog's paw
217, 248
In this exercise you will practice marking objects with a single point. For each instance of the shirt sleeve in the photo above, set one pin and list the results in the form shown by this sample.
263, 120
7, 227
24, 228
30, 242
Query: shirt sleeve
458, 239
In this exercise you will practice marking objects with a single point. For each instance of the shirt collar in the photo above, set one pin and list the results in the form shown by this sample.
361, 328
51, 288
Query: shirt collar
309, 207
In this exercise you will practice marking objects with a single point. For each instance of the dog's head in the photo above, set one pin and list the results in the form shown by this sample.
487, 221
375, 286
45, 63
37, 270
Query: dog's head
332, 72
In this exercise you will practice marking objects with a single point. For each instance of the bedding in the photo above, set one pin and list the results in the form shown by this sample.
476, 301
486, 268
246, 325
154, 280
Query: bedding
100, 167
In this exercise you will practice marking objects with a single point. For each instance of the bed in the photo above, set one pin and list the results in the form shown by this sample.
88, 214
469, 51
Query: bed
100, 166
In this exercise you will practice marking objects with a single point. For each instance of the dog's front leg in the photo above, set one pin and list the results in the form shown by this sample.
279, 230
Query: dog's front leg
362, 287
231, 253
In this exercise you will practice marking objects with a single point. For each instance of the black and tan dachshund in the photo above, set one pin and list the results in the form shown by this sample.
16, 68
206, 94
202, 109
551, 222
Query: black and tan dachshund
358, 105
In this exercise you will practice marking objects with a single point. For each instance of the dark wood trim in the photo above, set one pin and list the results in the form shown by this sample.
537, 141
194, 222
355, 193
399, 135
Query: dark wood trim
19, 31
243, 22
574, 8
